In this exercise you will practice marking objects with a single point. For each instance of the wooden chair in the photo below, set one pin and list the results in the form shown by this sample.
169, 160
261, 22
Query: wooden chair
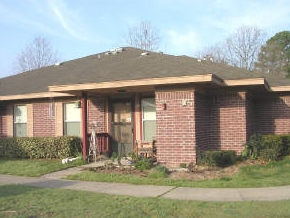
145, 148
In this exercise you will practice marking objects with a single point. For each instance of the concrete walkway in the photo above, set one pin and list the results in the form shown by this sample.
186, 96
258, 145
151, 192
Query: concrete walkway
54, 180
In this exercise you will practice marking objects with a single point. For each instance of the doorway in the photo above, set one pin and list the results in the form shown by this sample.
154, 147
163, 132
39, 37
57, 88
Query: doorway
122, 128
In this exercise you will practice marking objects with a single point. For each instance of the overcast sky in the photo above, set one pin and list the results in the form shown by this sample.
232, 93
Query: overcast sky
78, 28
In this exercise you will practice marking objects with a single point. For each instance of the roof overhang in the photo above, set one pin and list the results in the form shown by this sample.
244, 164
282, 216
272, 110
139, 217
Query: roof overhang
153, 82
208, 78
34, 96
145, 85
249, 82
280, 88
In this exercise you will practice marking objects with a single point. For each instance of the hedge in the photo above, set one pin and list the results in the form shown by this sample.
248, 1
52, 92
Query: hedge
40, 147
216, 158
267, 147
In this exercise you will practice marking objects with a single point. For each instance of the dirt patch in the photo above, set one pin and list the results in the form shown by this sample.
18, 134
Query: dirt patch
120, 170
204, 173
197, 173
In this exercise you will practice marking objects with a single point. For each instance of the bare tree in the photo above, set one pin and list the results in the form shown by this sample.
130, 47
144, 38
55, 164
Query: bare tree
242, 48
212, 53
39, 53
143, 36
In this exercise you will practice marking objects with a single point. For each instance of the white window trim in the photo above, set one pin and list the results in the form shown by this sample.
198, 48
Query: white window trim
145, 119
15, 121
65, 121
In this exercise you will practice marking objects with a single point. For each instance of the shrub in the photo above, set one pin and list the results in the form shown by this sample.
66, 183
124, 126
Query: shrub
158, 172
144, 164
286, 144
271, 147
183, 165
253, 147
40, 147
217, 158
269, 154
267, 147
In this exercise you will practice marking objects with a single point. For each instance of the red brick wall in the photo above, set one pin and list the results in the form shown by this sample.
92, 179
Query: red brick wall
6, 125
273, 114
175, 127
250, 115
228, 121
43, 119
97, 112
202, 121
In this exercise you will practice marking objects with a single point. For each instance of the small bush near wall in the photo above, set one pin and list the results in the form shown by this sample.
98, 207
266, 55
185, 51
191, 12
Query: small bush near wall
216, 158
267, 147
40, 147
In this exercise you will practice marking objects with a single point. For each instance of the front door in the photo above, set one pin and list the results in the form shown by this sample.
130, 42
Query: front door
121, 128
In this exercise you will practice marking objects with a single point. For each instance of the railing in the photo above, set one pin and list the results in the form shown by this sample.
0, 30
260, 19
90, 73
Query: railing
102, 142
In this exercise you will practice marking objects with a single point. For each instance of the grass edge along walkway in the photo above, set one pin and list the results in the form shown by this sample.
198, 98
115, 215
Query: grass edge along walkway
182, 193
34, 167
270, 175
26, 201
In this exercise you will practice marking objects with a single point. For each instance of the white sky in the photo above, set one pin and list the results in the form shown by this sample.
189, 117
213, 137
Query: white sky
78, 28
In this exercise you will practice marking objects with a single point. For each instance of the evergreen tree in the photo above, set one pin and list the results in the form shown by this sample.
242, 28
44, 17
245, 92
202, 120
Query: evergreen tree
274, 56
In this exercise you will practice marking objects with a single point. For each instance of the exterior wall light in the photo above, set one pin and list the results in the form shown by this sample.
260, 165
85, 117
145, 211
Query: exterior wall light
78, 104
164, 106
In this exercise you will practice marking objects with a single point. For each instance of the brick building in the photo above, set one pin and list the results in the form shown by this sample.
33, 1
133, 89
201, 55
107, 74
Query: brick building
128, 96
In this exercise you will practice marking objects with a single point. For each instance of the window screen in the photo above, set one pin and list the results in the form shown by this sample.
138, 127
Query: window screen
20, 120
72, 117
148, 118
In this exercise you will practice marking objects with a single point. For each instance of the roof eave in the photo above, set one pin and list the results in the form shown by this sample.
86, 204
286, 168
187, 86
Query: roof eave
248, 82
34, 96
280, 89
207, 78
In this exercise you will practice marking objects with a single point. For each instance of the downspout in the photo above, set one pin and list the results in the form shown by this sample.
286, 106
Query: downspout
84, 125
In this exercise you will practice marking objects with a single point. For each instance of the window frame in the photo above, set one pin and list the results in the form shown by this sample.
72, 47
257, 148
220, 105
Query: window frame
21, 122
67, 121
143, 119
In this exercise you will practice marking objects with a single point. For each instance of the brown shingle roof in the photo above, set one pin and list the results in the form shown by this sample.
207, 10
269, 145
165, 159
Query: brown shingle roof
126, 65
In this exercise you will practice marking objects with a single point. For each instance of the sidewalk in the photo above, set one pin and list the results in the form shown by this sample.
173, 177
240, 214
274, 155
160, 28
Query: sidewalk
54, 180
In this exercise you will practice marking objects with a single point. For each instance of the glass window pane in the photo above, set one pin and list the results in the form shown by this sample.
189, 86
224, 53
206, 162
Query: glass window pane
20, 114
72, 128
122, 112
149, 130
149, 118
72, 112
20, 129
149, 109
72, 117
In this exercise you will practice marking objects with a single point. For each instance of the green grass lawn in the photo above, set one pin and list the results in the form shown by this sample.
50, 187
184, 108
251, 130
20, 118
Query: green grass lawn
272, 174
22, 201
33, 168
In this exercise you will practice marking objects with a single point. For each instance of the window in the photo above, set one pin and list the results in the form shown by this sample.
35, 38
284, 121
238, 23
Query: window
148, 118
20, 120
72, 117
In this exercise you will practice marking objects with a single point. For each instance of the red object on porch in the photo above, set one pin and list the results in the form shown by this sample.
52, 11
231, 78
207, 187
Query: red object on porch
102, 142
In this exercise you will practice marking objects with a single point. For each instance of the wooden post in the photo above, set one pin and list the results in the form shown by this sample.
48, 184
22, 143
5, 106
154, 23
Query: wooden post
84, 125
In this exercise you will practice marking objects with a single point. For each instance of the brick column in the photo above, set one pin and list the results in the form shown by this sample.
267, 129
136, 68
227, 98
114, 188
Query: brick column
10, 121
175, 127
30, 132
58, 119
273, 114
229, 121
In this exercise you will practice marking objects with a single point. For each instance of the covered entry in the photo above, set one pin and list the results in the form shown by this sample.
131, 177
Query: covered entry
121, 128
